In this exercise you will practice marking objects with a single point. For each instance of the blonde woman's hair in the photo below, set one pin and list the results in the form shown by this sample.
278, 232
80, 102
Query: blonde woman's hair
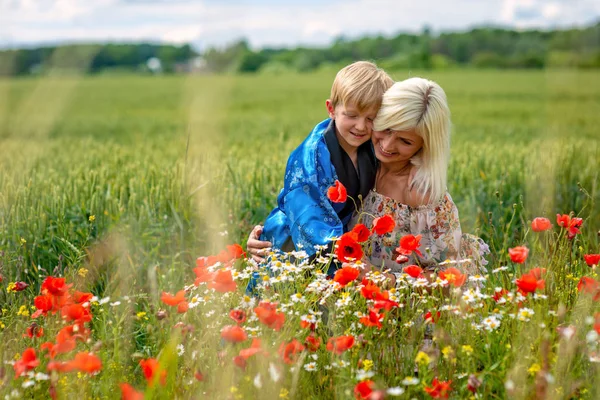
420, 104
361, 84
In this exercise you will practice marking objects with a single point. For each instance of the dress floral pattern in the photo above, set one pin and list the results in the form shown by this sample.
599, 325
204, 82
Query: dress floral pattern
442, 240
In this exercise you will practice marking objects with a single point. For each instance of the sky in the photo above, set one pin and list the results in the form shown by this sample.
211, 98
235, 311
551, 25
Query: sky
269, 23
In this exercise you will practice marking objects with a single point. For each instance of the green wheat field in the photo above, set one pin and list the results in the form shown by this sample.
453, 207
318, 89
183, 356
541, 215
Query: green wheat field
119, 183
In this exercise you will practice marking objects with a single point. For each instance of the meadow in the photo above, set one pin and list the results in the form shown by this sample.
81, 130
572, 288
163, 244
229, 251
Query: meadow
119, 183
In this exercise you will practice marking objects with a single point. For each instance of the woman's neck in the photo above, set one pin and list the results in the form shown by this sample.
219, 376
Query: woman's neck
399, 168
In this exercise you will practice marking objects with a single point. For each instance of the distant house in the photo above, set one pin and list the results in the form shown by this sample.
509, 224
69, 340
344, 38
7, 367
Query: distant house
196, 65
154, 65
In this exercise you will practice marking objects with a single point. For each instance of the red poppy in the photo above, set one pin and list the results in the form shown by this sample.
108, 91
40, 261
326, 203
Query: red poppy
345, 275
337, 193
382, 301
81, 297
27, 362
528, 283
518, 254
362, 232
348, 248
373, 319
152, 371
572, 224
312, 342
413, 271
499, 295
58, 366
20, 286
268, 315
540, 224
199, 376
432, 317
34, 330
235, 251
453, 276
308, 325
592, 259
369, 289
183, 307
438, 389
363, 389
537, 272
383, 225
43, 303
203, 275
55, 286
223, 281
340, 344
408, 244
129, 393
85, 362
223, 257
289, 351
233, 333
171, 300
254, 348
590, 286
238, 316
76, 312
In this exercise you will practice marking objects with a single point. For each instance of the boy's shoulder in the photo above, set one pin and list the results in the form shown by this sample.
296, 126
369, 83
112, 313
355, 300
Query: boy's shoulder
314, 140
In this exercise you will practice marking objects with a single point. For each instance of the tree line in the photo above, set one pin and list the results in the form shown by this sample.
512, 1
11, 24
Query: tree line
483, 47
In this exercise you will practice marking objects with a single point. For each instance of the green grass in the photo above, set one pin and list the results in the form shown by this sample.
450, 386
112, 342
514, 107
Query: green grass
134, 177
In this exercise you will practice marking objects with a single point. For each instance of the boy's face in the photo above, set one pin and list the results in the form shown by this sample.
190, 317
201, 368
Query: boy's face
353, 127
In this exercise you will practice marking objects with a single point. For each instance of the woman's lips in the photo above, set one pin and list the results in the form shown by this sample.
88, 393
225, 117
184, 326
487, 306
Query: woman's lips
385, 153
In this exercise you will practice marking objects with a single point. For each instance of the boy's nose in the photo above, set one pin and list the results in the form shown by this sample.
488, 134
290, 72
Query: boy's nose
361, 124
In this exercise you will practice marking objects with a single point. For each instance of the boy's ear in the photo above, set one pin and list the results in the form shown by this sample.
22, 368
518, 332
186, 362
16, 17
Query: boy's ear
330, 108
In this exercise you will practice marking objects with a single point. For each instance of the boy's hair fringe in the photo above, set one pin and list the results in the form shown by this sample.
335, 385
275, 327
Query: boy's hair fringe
360, 84
421, 105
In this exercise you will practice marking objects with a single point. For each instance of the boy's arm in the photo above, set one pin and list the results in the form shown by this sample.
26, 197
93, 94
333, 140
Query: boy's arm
255, 247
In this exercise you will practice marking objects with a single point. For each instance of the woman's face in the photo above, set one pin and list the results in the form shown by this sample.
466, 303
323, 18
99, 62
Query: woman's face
396, 146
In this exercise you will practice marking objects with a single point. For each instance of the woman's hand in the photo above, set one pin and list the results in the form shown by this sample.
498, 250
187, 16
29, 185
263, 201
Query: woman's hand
257, 248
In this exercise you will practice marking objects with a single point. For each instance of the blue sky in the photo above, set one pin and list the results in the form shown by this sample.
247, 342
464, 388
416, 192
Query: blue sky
269, 22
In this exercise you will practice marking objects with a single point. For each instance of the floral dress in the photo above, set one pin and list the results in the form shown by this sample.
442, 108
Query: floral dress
442, 241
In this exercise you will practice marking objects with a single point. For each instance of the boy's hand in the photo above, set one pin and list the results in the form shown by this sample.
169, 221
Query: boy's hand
257, 248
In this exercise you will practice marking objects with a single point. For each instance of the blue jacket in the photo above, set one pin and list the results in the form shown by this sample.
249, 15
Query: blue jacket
304, 215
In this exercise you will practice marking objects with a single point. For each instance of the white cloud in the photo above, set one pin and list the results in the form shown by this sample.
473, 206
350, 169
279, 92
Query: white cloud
267, 22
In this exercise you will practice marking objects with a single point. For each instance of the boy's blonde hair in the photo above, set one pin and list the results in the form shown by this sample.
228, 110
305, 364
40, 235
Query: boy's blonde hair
421, 105
361, 84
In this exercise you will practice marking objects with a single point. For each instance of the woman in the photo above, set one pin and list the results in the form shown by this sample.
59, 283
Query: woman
411, 140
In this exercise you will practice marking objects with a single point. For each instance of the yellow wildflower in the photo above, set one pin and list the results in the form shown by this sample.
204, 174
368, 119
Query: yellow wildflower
23, 311
23, 241
82, 272
422, 358
535, 367
141, 315
468, 350
447, 351
92, 218
11, 287
367, 365
284, 393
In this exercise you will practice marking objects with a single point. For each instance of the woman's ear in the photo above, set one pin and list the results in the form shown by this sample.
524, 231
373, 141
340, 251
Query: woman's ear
330, 108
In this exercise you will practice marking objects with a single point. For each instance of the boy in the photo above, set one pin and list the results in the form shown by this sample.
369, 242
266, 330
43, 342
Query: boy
338, 148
